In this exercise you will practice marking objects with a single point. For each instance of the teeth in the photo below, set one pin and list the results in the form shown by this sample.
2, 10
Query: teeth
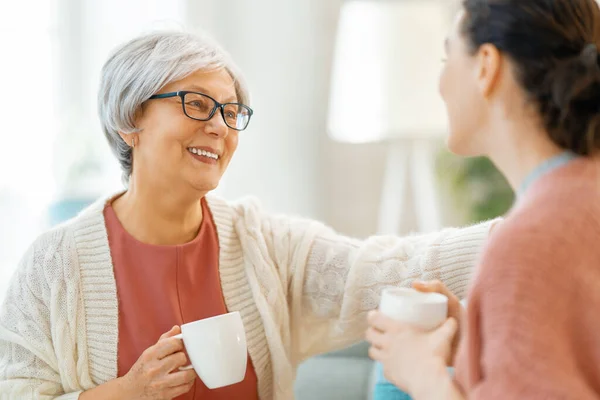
204, 153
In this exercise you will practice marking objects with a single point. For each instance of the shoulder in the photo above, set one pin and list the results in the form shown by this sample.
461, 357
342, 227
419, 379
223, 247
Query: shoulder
541, 237
250, 213
53, 254
45, 266
570, 194
230, 211
283, 238
523, 235
51, 244
561, 208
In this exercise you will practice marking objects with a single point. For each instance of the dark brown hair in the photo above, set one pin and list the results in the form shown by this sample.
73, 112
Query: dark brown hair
554, 47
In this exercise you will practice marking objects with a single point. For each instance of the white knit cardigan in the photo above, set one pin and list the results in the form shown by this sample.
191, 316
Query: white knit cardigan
301, 289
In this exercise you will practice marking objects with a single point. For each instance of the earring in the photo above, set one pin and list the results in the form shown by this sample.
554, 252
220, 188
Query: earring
133, 142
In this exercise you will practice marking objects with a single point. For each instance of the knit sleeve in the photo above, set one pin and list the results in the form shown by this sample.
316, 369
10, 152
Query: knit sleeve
341, 279
532, 318
31, 335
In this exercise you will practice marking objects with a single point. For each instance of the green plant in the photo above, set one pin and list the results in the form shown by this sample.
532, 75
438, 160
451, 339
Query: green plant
477, 187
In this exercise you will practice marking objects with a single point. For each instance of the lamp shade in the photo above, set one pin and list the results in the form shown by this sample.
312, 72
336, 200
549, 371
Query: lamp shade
387, 61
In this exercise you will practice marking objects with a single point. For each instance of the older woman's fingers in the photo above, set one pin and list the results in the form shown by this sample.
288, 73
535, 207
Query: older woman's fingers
174, 361
181, 378
176, 330
375, 337
380, 321
375, 353
166, 347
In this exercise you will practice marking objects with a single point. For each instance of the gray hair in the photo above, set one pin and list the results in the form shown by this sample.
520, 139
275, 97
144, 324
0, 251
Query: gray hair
139, 68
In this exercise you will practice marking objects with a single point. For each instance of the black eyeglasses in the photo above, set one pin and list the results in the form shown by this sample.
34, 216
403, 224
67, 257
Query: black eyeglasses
202, 107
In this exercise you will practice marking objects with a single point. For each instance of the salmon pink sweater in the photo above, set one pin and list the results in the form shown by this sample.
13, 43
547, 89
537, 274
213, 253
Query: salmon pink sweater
533, 324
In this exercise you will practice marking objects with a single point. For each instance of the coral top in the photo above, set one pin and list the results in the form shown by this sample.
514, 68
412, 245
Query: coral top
162, 286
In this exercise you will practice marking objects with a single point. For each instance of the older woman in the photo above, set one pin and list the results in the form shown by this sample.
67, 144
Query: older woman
95, 303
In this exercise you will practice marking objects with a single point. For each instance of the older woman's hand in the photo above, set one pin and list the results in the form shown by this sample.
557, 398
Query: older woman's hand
156, 375
412, 359
455, 309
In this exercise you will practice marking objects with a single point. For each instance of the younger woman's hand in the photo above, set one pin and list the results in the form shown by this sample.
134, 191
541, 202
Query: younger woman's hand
412, 359
455, 308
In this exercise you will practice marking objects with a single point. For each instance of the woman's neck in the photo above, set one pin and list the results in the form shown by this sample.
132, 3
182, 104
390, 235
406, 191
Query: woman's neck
159, 217
518, 149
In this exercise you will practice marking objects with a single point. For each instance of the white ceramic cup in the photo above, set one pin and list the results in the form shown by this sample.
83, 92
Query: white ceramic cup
217, 349
423, 310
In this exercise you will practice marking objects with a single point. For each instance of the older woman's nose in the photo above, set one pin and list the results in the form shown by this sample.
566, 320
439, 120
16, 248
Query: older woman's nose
216, 126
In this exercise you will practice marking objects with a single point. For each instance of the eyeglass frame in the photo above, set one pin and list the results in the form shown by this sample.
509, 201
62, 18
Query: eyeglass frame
181, 94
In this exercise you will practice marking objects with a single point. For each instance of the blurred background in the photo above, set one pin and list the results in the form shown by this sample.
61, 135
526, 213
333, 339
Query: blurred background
348, 127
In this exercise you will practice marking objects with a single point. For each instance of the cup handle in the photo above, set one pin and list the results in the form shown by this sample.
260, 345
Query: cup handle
187, 367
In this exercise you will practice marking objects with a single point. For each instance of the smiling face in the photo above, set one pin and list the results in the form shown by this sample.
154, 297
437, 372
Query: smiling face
174, 150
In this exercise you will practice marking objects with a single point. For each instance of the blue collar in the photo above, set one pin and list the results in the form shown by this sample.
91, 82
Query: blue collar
544, 168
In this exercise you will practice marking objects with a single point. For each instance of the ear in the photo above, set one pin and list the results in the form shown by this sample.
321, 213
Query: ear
127, 138
489, 61
131, 138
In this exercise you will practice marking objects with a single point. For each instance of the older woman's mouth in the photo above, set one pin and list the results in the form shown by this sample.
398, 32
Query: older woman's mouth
204, 155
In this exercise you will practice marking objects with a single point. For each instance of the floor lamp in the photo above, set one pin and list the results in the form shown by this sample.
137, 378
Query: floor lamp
387, 62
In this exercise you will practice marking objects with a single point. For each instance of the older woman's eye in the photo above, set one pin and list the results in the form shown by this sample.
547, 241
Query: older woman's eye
198, 104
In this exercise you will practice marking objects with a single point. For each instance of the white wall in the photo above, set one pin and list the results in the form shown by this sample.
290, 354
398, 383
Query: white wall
89, 31
27, 111
282, 48
285, 49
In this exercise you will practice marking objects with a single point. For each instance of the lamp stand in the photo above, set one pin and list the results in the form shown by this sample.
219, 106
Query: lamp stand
410, 166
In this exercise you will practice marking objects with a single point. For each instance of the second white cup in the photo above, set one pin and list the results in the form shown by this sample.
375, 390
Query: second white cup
217, 349
424, 310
